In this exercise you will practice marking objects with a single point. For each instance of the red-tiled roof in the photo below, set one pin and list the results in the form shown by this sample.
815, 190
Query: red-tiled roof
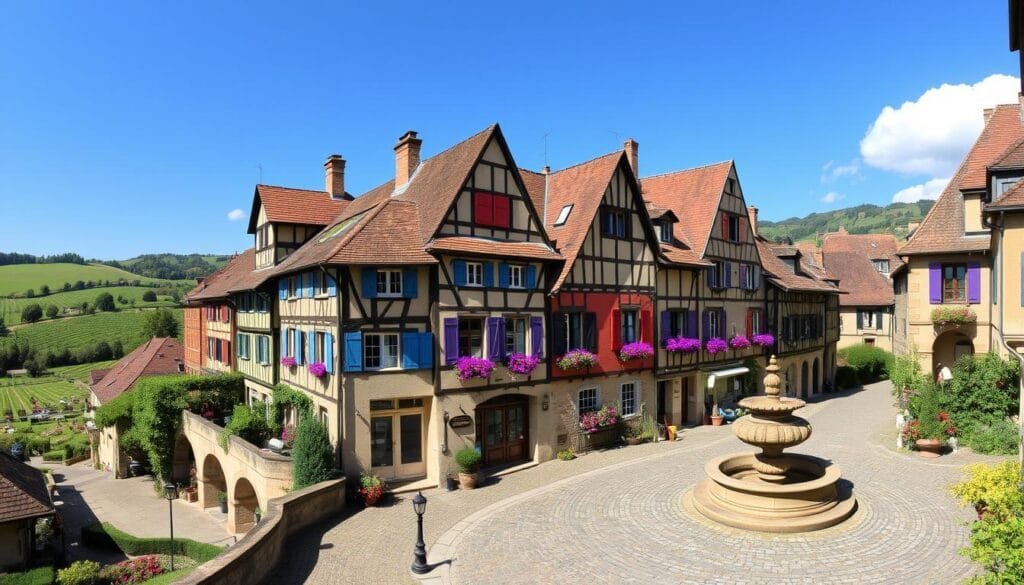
1002, 131
97, 375
468, 245
1012, 198
236, 275
158, 356
682, 256
694, 195
301, 206
1012, 157
849, 258
778, 273
23, 491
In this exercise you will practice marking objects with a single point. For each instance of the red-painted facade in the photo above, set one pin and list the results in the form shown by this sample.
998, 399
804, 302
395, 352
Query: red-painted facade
607, 307
195, 339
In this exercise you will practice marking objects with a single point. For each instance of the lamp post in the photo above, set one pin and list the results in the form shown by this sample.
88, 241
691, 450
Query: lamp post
171, 492
419, 562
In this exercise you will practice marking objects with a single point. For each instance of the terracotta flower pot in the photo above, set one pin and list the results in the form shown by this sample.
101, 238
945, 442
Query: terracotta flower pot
633, 440
467, 481
928, 448
716, 421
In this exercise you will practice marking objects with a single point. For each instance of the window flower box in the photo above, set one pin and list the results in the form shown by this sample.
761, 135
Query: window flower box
739, 342
288, 361
682, 344
638, 350
577, 359
763, 340
520, 364
953, 316
606, 417
716, 345
317, 369
473, 367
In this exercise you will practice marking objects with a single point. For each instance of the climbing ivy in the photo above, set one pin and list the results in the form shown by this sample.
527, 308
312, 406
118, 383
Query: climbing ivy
285, 396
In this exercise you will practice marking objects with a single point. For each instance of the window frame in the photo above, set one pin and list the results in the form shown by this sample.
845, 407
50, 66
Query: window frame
756, 322
665, 231
719, 281
319, 346
630, 325
392, 277
321, 287
734, 224
516, 276
290, 343
382, 340
573, 320
593, 398
961, 291
881, 265
634, 410
510, 334
749, 281
563, 215
478, 269
293, 287
466, 349
612, 229
714, 325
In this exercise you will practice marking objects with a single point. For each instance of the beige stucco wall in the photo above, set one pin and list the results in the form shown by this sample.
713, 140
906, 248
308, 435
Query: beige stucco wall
850, 335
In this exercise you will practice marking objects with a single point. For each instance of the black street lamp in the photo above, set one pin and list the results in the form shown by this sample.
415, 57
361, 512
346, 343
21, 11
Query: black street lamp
419, 562
171, 492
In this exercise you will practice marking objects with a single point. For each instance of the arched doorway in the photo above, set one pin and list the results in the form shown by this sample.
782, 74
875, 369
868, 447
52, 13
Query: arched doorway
242, 508
503, 429
213, 482
803, 380
183, 462
816, 375
949, 347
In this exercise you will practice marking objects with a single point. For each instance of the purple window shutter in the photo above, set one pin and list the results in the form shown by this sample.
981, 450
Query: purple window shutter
706, 331
691, 324
973, 282
743, 276
495, 340
935, 283
666, 325
451, 340
537, 336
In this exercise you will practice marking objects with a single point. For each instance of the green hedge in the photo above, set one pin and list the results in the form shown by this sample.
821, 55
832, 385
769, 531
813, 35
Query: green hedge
39, 576
869, 362
106, 536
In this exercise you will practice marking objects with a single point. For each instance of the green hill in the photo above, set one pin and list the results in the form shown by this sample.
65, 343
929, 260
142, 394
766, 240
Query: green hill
76, 332
861, 219
69, 303
175, 266
16, 279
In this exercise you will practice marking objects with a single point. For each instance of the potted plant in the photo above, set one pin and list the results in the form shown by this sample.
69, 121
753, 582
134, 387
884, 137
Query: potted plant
372, 488
473, 367
638, 350
288, 361
929, 434
222, 499
682, 344
716, 345
317, 369
577, 359
954, 316
520, 364
632, 435
739, 342
763, 340
468, 459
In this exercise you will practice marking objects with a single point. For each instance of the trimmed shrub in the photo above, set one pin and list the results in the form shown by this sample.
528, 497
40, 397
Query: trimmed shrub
871, 363
468, 460
149, 296
999, 438
312, 455
55, 455
249, 424
105, 536
37, 576
79, 573
846, 377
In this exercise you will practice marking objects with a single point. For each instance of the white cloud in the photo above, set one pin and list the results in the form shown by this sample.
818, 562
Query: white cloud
931, 134
236, 214
832, 197
831, 171
930, 190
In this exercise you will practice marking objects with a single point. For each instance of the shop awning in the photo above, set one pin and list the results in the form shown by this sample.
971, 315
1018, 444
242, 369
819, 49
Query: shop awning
726, 373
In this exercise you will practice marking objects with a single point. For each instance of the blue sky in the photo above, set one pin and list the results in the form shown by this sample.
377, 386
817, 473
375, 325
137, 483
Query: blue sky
137, 127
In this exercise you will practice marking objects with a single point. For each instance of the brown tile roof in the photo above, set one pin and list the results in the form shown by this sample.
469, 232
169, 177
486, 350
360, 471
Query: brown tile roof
23, 491
238, 274
535, 183
694, 196
682, 255
1013, 198
1012, 157
778, 273
301, 206
97, 375
465, 244
848, 257
1003, 130
158, 356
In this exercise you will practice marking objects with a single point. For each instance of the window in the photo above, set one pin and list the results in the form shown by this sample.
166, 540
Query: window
749, 277
321, 284
613, 223
516, 278
881, 266
734, 228
716, 328
324, 419
262, 349
954, 282
665, 231
492, 210
629, 326
791, 263
290, 343
756, 322
380, 351
242, 342
474, 274
563, 215
679, 326
588, 400
389, 283
627, 394
718, 275
471, 338
319, 353
515, 335
867, 319
292, 287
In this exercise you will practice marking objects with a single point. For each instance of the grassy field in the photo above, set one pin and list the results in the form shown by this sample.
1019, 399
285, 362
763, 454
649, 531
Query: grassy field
74, 332
10, 309
15, 279
80, 372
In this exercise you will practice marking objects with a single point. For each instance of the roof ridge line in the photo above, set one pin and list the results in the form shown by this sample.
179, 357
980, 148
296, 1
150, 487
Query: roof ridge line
697, 168
579, 164
290, 188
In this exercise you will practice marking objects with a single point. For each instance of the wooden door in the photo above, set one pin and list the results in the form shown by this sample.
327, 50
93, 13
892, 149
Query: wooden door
504, 432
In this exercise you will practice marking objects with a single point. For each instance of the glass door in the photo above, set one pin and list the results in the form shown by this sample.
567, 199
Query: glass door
382, 445
397, 440
411, 445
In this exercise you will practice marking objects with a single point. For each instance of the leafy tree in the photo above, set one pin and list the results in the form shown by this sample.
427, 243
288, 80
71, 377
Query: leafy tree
67, 286
79, 285
30, 293
149, 296
160, 323
51, 311
45, 290
33, 367
3, 328
117, 350
312, 455
32, 313
105, 302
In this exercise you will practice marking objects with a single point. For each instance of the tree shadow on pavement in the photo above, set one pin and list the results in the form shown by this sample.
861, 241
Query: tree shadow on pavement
76, 514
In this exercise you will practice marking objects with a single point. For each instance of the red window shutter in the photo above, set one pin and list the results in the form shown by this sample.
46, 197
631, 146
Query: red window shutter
483, 213
227, 314
743, 230
646, 331
750, 322
227, 352
616, 329
502, 217
725, 226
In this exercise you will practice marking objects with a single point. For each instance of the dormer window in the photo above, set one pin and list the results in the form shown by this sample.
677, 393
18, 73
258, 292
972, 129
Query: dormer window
665, 231
881, 266
791, 263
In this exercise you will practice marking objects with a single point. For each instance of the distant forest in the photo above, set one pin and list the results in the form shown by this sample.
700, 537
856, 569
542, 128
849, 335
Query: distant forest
861, 219
16, 258
171, 266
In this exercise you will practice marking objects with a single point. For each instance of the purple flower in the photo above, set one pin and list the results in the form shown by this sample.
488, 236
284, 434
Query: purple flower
739, 342
520, 363
716, 345
763, 339
577, 359
638, 350
317, 369
288, 361
473, 367
682, 344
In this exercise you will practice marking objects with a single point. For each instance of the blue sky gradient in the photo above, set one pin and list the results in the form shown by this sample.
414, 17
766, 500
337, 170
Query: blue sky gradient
137, 127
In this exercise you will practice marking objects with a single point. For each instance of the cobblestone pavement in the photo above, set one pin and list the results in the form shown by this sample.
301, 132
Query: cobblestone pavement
617, 517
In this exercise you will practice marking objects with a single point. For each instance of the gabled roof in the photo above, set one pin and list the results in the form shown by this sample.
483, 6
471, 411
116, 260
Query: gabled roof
158, 356
849, 257
779, 274
1011, 158
238, 274
694, 195
23, 491
941, 231
1013, 198
487, 247
299, 206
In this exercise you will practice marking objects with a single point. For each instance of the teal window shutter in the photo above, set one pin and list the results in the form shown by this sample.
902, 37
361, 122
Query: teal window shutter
409, 282
353, 351
531, 277
488, 274
459, 270
369, 283
332, 287
299, 353
426, 347
310, 277
284, 342
311, 347
410, 351
329, 352
504, 275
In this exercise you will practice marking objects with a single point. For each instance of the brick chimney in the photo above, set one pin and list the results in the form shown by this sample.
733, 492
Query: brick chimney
407, 157
334, 169
752, 217
632, 148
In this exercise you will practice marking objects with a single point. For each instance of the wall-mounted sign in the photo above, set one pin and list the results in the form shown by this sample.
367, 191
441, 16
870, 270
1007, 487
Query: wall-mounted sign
460, 422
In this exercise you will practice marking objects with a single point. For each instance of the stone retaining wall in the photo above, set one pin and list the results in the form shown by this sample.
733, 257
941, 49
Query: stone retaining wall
253, 559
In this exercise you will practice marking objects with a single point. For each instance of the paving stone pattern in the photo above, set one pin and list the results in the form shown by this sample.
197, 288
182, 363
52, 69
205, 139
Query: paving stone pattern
618, 517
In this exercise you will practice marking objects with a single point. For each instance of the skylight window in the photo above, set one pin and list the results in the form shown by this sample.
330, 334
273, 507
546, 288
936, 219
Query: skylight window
341, 228
563, 215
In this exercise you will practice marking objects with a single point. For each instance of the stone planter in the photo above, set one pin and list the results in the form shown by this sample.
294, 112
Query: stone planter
602, 438
633, 441
929, 448
467, 481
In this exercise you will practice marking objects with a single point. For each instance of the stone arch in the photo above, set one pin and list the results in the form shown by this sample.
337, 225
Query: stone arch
242, 506
804, 377
183, 460
948, 347
816, 375
213, 481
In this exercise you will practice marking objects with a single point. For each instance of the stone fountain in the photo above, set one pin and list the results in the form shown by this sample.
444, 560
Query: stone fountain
773, 491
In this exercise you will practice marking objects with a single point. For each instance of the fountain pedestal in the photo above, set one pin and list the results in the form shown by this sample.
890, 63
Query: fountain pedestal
773, 491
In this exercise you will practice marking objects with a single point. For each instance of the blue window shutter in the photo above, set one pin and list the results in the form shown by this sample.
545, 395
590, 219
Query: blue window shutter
459, 270
723, 324
711, 276
282, 289
935, 283
743, 276
298, 347
409, 282
537, 336
284, 342
973, 282
426, 357
504, 275
757, 277
300, 290
353, 351
531, 277
451, 340
332, 287
495, 340
329, 352
311, 347
309, 284
488, 274
728, 275
369, 283
410, 350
